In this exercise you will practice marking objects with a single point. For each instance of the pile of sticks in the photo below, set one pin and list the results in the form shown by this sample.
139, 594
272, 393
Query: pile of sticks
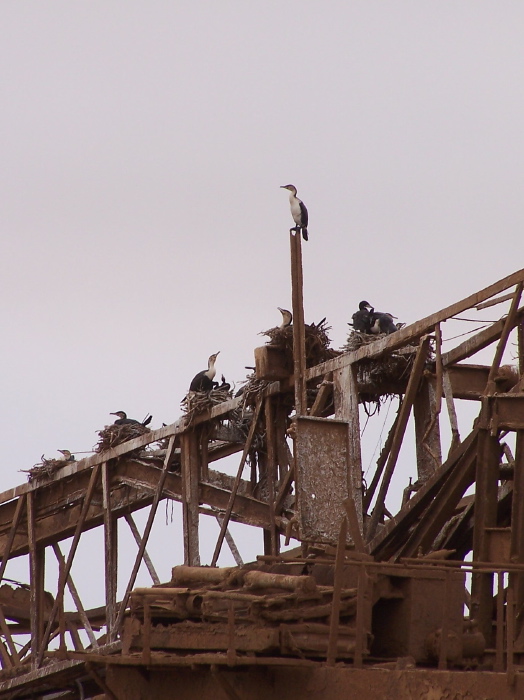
113, 435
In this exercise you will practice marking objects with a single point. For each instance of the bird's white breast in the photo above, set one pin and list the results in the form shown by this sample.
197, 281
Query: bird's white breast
294, 203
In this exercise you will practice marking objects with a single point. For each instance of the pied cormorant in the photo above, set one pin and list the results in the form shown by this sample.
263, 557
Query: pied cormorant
124, 420
68, 457
287, 317
362, 318
382, 323
203, 381
298, 211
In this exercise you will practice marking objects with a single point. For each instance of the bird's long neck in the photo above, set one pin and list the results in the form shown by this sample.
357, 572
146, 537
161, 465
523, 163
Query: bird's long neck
211, 371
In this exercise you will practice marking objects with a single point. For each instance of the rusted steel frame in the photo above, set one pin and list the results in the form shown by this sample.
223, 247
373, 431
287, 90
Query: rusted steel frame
61, 614
110, 551
443, 651
230, 542
36, 581
360, 631
415, 330
337, 589
75, 637
324, 391
476, 342
151, 516
441, 508
76, 598
299, 341
89, 666
484, 516
12, 532
354, 525
274, 539
438, 382
346, 401
381, 545
231, 646
14, 658
404, 413
190, 472
224, 683
494, 302
284, 490
517, 527
168, 431
450, 404
203, 439
147, 559
510, 634
234, 489
146, 633
499, 634
509, 324
67, 568
381, 462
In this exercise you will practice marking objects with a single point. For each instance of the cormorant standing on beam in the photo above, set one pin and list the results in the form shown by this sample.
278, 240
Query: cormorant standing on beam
362, 317
203, 381
287, 317
298, 211
68, 457
124, 420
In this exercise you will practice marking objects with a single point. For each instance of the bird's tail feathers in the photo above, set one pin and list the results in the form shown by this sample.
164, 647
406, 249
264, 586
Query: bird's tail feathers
304, 234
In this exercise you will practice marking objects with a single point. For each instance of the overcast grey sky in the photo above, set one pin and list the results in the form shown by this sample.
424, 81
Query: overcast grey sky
142, 224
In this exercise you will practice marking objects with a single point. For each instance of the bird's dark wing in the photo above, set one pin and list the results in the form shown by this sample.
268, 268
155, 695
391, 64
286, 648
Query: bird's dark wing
303, 215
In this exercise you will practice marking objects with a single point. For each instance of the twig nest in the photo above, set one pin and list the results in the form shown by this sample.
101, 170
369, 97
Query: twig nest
198, 402
113, 435
316, 339
45, 468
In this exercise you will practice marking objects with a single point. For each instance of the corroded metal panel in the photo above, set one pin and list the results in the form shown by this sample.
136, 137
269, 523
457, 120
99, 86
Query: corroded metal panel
321, 477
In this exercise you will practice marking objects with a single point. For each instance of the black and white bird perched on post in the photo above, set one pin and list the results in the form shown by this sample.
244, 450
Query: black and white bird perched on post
362, 318
298, 211
203, 381
287, 317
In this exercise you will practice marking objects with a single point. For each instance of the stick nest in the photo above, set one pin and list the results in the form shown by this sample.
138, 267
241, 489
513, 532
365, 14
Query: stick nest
316, 338
113, 435
45, 468
197, 402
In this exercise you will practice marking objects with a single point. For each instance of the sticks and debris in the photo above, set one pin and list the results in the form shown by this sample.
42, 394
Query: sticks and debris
47, 467
113, 435
197, 402
317, 341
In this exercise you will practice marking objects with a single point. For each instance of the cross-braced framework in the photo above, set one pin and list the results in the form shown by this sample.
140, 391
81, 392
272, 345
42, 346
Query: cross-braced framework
299, 436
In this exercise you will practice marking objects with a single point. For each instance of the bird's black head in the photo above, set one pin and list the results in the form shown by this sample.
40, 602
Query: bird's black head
365, 305
120, 414
291, 188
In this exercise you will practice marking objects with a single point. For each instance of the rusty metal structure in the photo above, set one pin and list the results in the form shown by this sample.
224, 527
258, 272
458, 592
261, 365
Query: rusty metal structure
370, 602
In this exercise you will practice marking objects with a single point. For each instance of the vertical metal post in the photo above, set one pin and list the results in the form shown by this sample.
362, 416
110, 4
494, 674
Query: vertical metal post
299, 339
190, 456
111, 553
36, 581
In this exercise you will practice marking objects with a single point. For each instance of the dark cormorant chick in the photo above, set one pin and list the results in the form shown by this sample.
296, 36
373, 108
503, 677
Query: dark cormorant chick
224, 386
287, 317
362, 318
298, 211
203, 381
382, 323
124, 420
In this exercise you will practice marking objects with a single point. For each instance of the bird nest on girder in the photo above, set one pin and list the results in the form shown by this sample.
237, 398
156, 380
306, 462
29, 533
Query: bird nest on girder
251, 389
317, 342
197, 402
113, 435
45, 468
384, 376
